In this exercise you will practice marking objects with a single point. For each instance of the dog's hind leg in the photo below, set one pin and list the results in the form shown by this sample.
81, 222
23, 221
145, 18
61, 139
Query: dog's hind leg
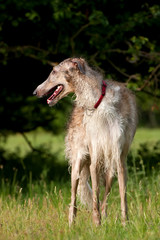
108, 184
84, 189
122, 179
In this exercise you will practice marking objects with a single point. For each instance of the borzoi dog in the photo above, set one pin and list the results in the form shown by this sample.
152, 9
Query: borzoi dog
100, 131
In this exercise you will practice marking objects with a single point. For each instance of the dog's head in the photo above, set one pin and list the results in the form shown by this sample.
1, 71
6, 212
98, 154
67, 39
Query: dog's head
61, 80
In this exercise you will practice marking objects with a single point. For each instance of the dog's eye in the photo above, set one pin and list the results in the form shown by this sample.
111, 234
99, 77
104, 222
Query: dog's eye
53, 72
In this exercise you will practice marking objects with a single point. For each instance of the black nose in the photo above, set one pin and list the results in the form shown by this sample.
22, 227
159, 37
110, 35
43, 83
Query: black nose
35, 92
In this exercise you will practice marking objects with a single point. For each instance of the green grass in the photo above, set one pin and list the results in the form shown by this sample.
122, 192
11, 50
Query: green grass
56, 142
42, 213
38, 139
41, 210
144, 135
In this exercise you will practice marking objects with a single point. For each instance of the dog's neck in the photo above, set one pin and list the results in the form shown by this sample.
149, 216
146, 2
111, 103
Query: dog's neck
87, 91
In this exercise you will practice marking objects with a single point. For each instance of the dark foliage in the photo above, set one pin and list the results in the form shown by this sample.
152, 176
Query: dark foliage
119, 37
39, 163
147, 158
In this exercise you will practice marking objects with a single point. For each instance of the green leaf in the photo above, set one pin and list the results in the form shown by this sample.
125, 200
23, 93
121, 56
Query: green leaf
15, 23
32, 15
97, 17
151, 69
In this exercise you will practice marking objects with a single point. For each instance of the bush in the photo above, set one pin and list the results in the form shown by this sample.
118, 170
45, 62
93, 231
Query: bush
38, 164
146, 159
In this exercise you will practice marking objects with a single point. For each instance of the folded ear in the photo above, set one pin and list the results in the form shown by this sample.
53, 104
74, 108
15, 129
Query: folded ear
79, 63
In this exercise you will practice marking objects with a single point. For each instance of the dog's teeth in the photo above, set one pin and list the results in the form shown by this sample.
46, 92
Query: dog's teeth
55, 94
57, 90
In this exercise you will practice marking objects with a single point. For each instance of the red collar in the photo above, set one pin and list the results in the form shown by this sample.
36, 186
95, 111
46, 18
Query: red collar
104, 85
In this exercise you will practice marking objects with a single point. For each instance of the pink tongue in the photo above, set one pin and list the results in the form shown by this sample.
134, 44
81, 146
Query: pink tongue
56, 92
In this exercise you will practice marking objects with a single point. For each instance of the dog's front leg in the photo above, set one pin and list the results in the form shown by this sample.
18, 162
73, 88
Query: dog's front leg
74, 184
95, 190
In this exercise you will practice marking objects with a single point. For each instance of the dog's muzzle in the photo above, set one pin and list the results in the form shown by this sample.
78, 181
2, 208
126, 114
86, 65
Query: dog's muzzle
35, 92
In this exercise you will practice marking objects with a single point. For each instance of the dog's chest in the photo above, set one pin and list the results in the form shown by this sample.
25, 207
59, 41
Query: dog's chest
86, 126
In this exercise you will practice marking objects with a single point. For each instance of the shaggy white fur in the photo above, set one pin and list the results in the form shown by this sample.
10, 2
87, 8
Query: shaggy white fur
98, 140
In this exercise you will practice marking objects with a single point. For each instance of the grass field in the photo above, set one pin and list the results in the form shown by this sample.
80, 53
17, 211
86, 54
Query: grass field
56, 143
41, 211
146, 135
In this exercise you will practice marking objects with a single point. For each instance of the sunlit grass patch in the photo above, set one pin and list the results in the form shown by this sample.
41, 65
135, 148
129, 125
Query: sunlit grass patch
56, 142
44, 213
143, 135
40, 209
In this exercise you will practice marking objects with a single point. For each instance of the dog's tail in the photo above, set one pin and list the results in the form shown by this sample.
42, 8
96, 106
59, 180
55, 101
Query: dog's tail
84, 189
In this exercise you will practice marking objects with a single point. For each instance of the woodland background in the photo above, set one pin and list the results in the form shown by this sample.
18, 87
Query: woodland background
120, 38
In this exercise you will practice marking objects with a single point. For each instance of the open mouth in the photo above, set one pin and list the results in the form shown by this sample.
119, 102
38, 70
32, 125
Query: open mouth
55, 92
